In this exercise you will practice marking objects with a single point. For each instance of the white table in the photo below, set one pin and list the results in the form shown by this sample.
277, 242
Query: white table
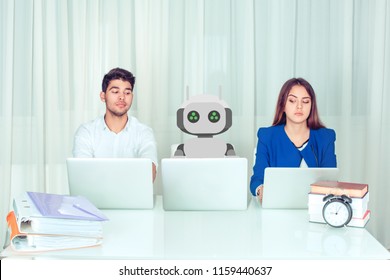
255, 233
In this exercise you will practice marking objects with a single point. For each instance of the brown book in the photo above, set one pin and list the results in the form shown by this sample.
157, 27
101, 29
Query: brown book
339, 188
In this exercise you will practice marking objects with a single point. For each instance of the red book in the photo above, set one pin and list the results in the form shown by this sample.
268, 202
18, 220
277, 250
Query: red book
339, 188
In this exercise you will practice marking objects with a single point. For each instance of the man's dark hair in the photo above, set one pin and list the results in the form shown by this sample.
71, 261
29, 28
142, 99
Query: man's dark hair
118, 74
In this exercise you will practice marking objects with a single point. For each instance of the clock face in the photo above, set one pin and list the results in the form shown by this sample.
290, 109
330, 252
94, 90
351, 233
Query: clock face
337, 213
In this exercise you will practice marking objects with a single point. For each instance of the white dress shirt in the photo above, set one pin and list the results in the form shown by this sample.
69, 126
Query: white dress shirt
95, 139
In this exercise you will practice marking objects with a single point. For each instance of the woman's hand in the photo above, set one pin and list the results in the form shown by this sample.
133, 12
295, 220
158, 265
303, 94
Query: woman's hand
259, 193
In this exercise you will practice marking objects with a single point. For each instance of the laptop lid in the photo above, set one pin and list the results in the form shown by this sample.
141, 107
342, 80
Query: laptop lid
112, 183
204, 183
286, 188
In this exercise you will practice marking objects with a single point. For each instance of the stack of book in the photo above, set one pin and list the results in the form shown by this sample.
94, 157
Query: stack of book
357, 192
44, 222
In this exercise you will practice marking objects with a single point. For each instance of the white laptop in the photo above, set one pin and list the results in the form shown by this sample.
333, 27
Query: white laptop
112, 183
288, 188
205, 183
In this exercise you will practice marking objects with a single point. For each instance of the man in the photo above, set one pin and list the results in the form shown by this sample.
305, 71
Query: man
116, 134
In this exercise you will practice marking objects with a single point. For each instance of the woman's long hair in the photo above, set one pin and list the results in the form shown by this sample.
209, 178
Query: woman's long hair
313, 121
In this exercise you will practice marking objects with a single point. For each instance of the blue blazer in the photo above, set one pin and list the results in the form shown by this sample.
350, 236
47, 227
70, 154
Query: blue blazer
275, 149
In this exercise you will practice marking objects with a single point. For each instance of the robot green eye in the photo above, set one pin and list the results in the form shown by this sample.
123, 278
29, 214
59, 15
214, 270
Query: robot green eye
214, 116
193, 116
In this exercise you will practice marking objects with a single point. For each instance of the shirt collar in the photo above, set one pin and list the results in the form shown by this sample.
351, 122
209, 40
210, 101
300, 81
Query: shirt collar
104, 126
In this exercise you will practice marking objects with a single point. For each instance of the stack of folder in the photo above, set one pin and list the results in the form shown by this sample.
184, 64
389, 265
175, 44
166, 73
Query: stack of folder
356, 191
44, 222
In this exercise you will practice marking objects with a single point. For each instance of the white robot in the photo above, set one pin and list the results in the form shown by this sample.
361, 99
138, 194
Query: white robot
204, 116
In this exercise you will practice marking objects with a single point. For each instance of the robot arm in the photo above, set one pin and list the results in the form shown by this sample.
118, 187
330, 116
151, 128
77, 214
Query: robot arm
230, 150
180, 151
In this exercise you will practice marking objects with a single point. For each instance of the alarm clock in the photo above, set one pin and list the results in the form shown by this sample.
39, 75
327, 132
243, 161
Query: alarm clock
337, 211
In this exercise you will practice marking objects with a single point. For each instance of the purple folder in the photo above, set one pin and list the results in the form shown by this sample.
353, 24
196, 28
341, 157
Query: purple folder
66, 207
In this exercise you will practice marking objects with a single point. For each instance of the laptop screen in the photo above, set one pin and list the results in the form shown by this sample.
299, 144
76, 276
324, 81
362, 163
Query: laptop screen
112, 183
289, 187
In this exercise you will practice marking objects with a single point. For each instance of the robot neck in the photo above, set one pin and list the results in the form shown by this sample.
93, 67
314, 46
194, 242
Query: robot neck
205, 136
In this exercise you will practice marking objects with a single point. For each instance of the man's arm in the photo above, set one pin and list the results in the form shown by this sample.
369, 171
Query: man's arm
82, 146
148, 149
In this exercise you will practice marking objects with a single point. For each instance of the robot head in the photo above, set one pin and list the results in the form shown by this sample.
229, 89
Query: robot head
204, 116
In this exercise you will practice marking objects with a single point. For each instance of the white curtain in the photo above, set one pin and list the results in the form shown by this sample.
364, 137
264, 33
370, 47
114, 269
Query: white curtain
54, 53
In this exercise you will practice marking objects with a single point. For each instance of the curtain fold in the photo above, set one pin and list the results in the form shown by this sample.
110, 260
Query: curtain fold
53, 55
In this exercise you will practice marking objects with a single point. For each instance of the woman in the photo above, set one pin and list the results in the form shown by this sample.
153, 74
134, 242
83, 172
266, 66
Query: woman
297, 137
